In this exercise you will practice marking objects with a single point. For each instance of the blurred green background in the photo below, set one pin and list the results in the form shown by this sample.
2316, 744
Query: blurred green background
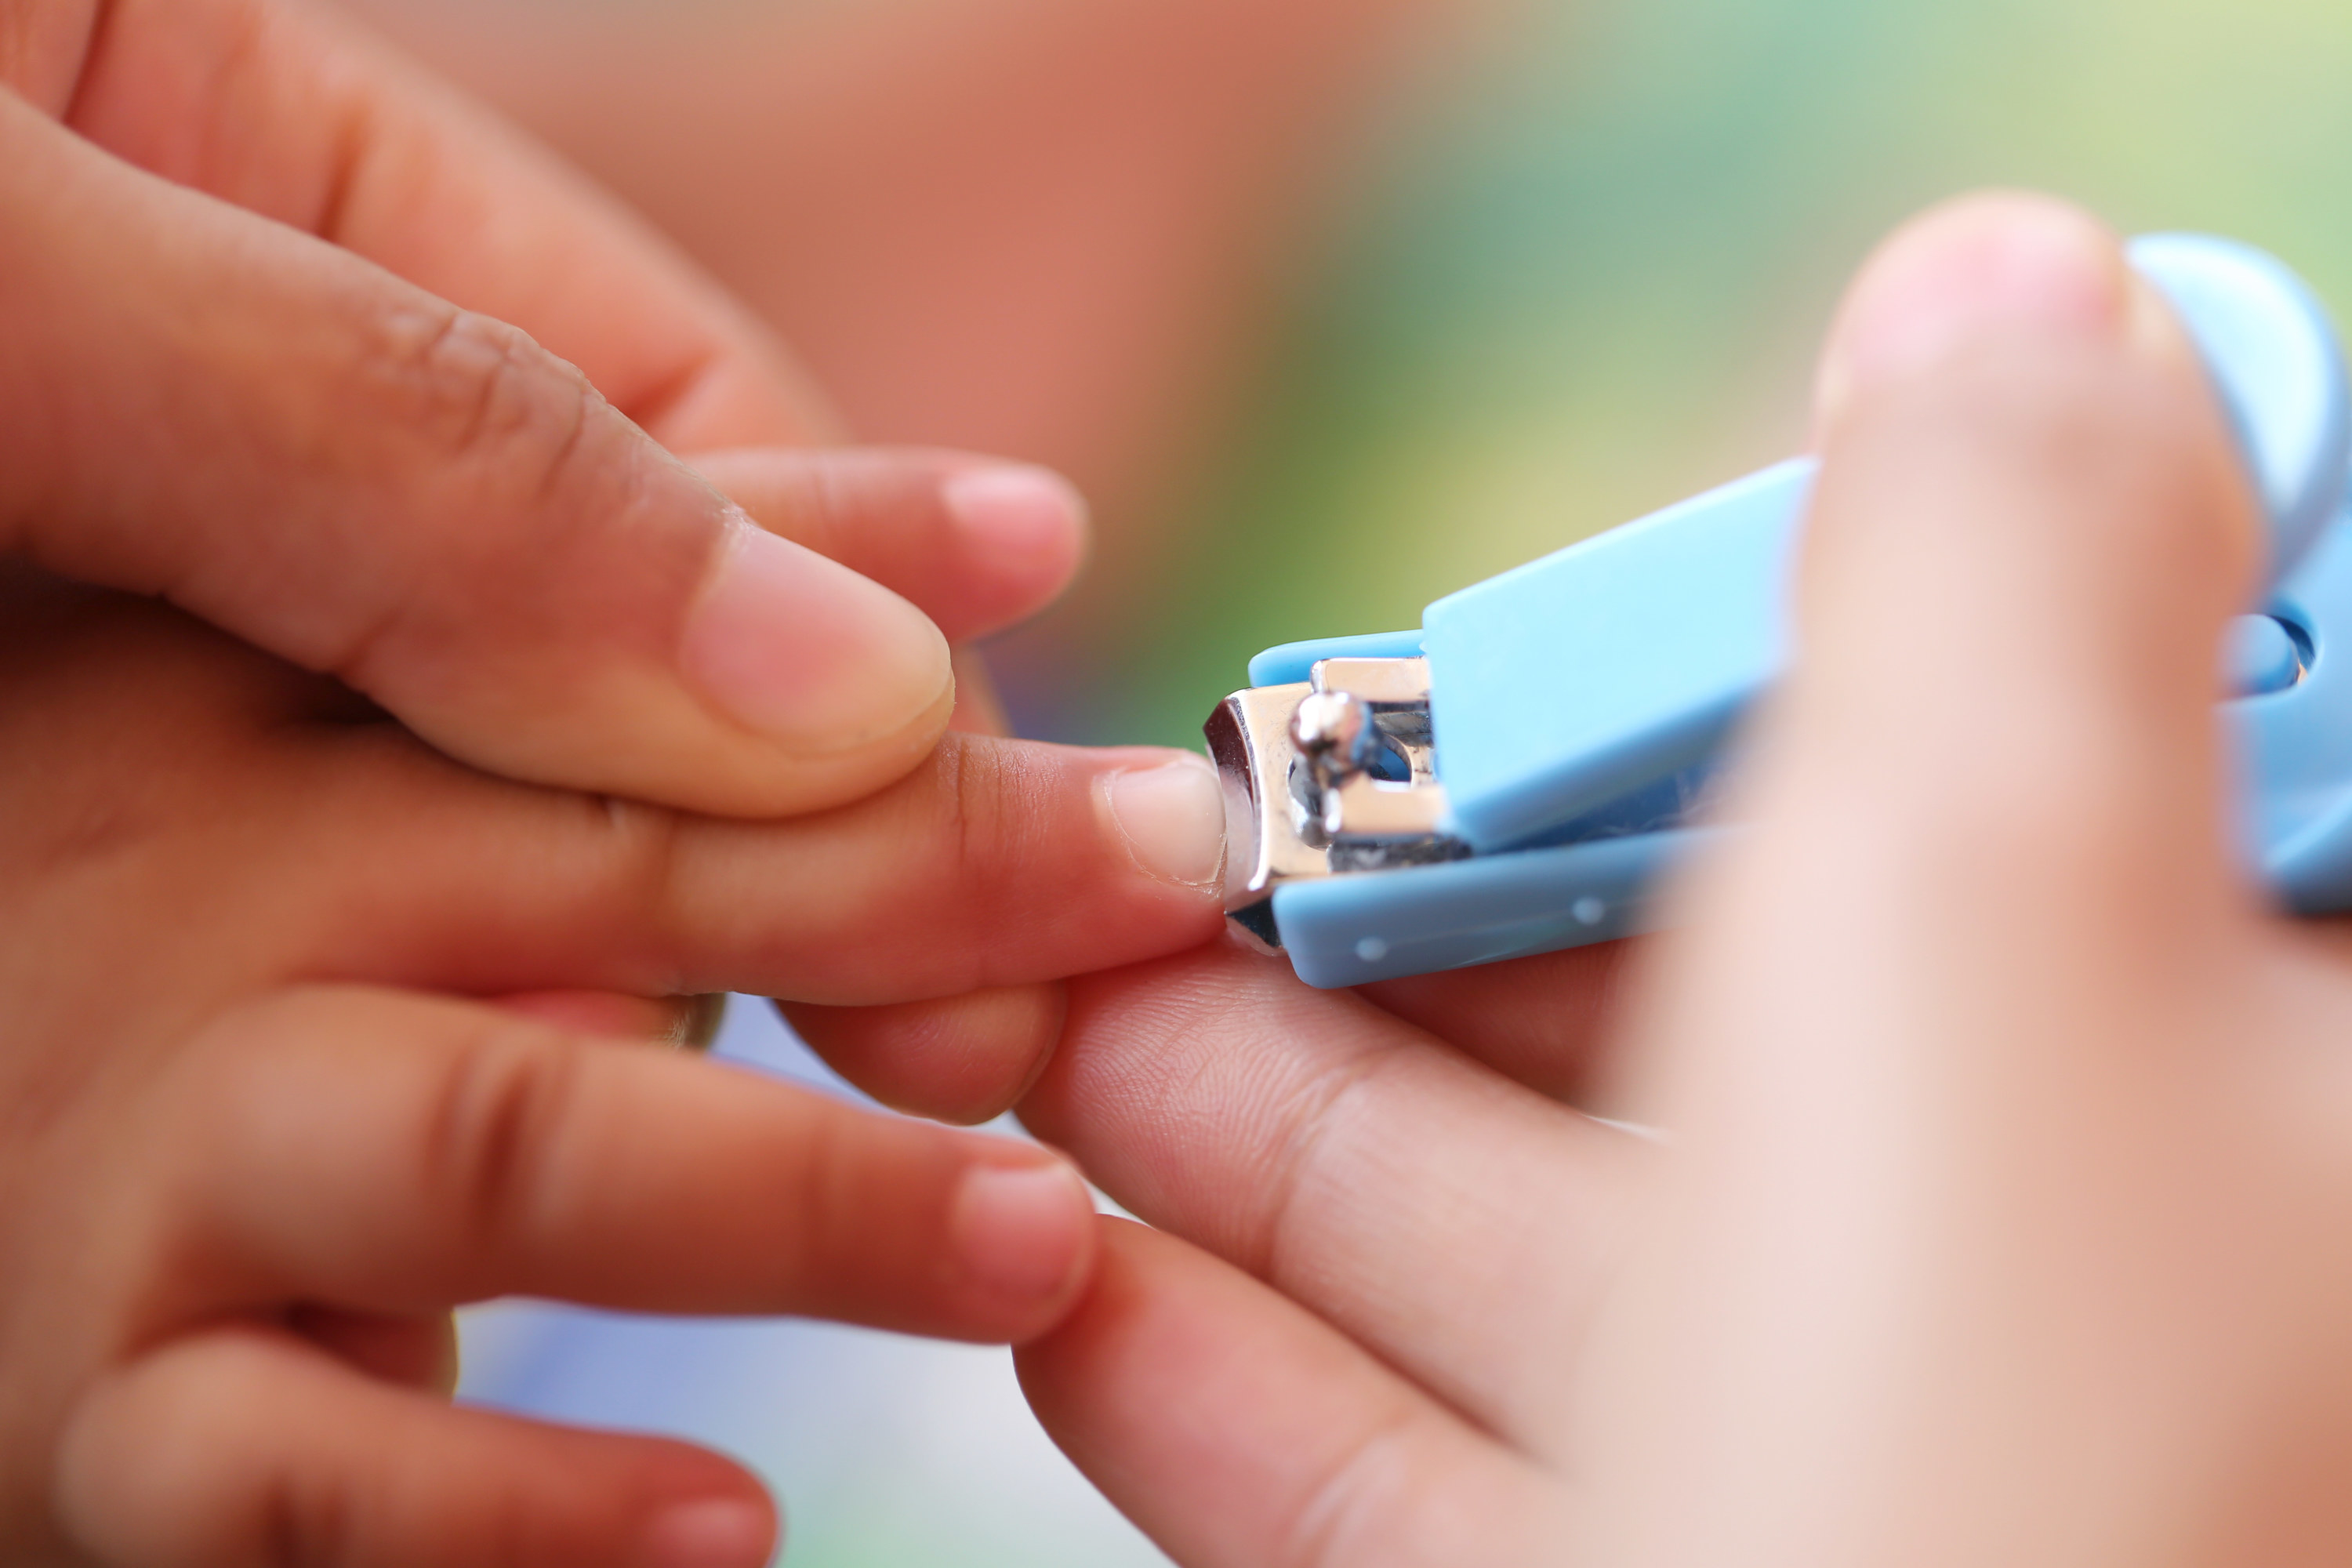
1587, 281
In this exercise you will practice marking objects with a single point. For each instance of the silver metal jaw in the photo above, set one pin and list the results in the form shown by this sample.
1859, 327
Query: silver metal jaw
1334, 775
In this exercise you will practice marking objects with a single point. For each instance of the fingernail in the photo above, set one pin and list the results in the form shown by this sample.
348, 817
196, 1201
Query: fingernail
715, 1532
1986, 264
1020, 1230
807, 652
1172, 818
1016, 511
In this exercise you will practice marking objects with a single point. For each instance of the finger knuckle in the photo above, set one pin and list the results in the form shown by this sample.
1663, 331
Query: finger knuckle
976, 814
832, 1221
304, 1524
1003, 829
491, 1128
969, 805
164, 1462
230, 1062
650, 863
483, 392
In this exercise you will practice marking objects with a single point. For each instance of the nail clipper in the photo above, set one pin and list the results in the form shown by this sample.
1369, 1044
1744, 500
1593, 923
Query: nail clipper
1517, 775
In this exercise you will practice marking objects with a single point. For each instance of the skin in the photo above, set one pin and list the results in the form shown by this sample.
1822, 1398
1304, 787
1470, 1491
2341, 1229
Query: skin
1999, 1212
259, 1144
362, 660
265, 290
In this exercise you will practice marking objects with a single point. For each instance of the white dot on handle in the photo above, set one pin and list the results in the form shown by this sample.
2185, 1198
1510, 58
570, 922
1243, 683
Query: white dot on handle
1588, 910
1371, 950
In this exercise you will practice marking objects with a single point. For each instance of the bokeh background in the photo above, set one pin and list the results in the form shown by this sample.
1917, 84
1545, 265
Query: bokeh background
1331, 306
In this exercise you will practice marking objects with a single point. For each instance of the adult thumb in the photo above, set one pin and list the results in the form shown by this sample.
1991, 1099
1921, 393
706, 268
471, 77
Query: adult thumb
1909, 1041
2030, 528
297, 446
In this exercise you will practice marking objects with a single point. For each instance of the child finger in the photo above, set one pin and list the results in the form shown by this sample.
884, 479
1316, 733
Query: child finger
996, 863
245, 1445
977, 545
958, 1059
397, 1154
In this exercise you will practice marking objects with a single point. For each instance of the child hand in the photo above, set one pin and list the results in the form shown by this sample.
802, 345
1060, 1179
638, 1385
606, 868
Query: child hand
257, 1146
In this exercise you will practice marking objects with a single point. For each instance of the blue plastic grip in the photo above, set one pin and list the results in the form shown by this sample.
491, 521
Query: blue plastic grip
1565, 693
1350, 930
1555, 688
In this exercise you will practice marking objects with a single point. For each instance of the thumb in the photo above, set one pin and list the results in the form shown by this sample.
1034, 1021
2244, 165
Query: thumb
1986, 809
1912, 1039
359, 478
2030, 528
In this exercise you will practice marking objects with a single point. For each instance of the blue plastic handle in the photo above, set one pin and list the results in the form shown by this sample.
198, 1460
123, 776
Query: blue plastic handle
1567, 694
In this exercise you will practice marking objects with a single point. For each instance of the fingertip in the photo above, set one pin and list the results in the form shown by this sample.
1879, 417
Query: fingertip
710, 1532
977, 543
2027, 534
1023, 525
2002, 386
963, 1060
1023, 1238
1984, 262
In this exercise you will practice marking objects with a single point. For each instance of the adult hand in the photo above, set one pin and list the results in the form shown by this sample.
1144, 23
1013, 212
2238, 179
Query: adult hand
263, 298
2001, 1211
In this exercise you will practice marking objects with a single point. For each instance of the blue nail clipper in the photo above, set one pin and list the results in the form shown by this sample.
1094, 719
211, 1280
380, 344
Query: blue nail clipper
1514, 777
